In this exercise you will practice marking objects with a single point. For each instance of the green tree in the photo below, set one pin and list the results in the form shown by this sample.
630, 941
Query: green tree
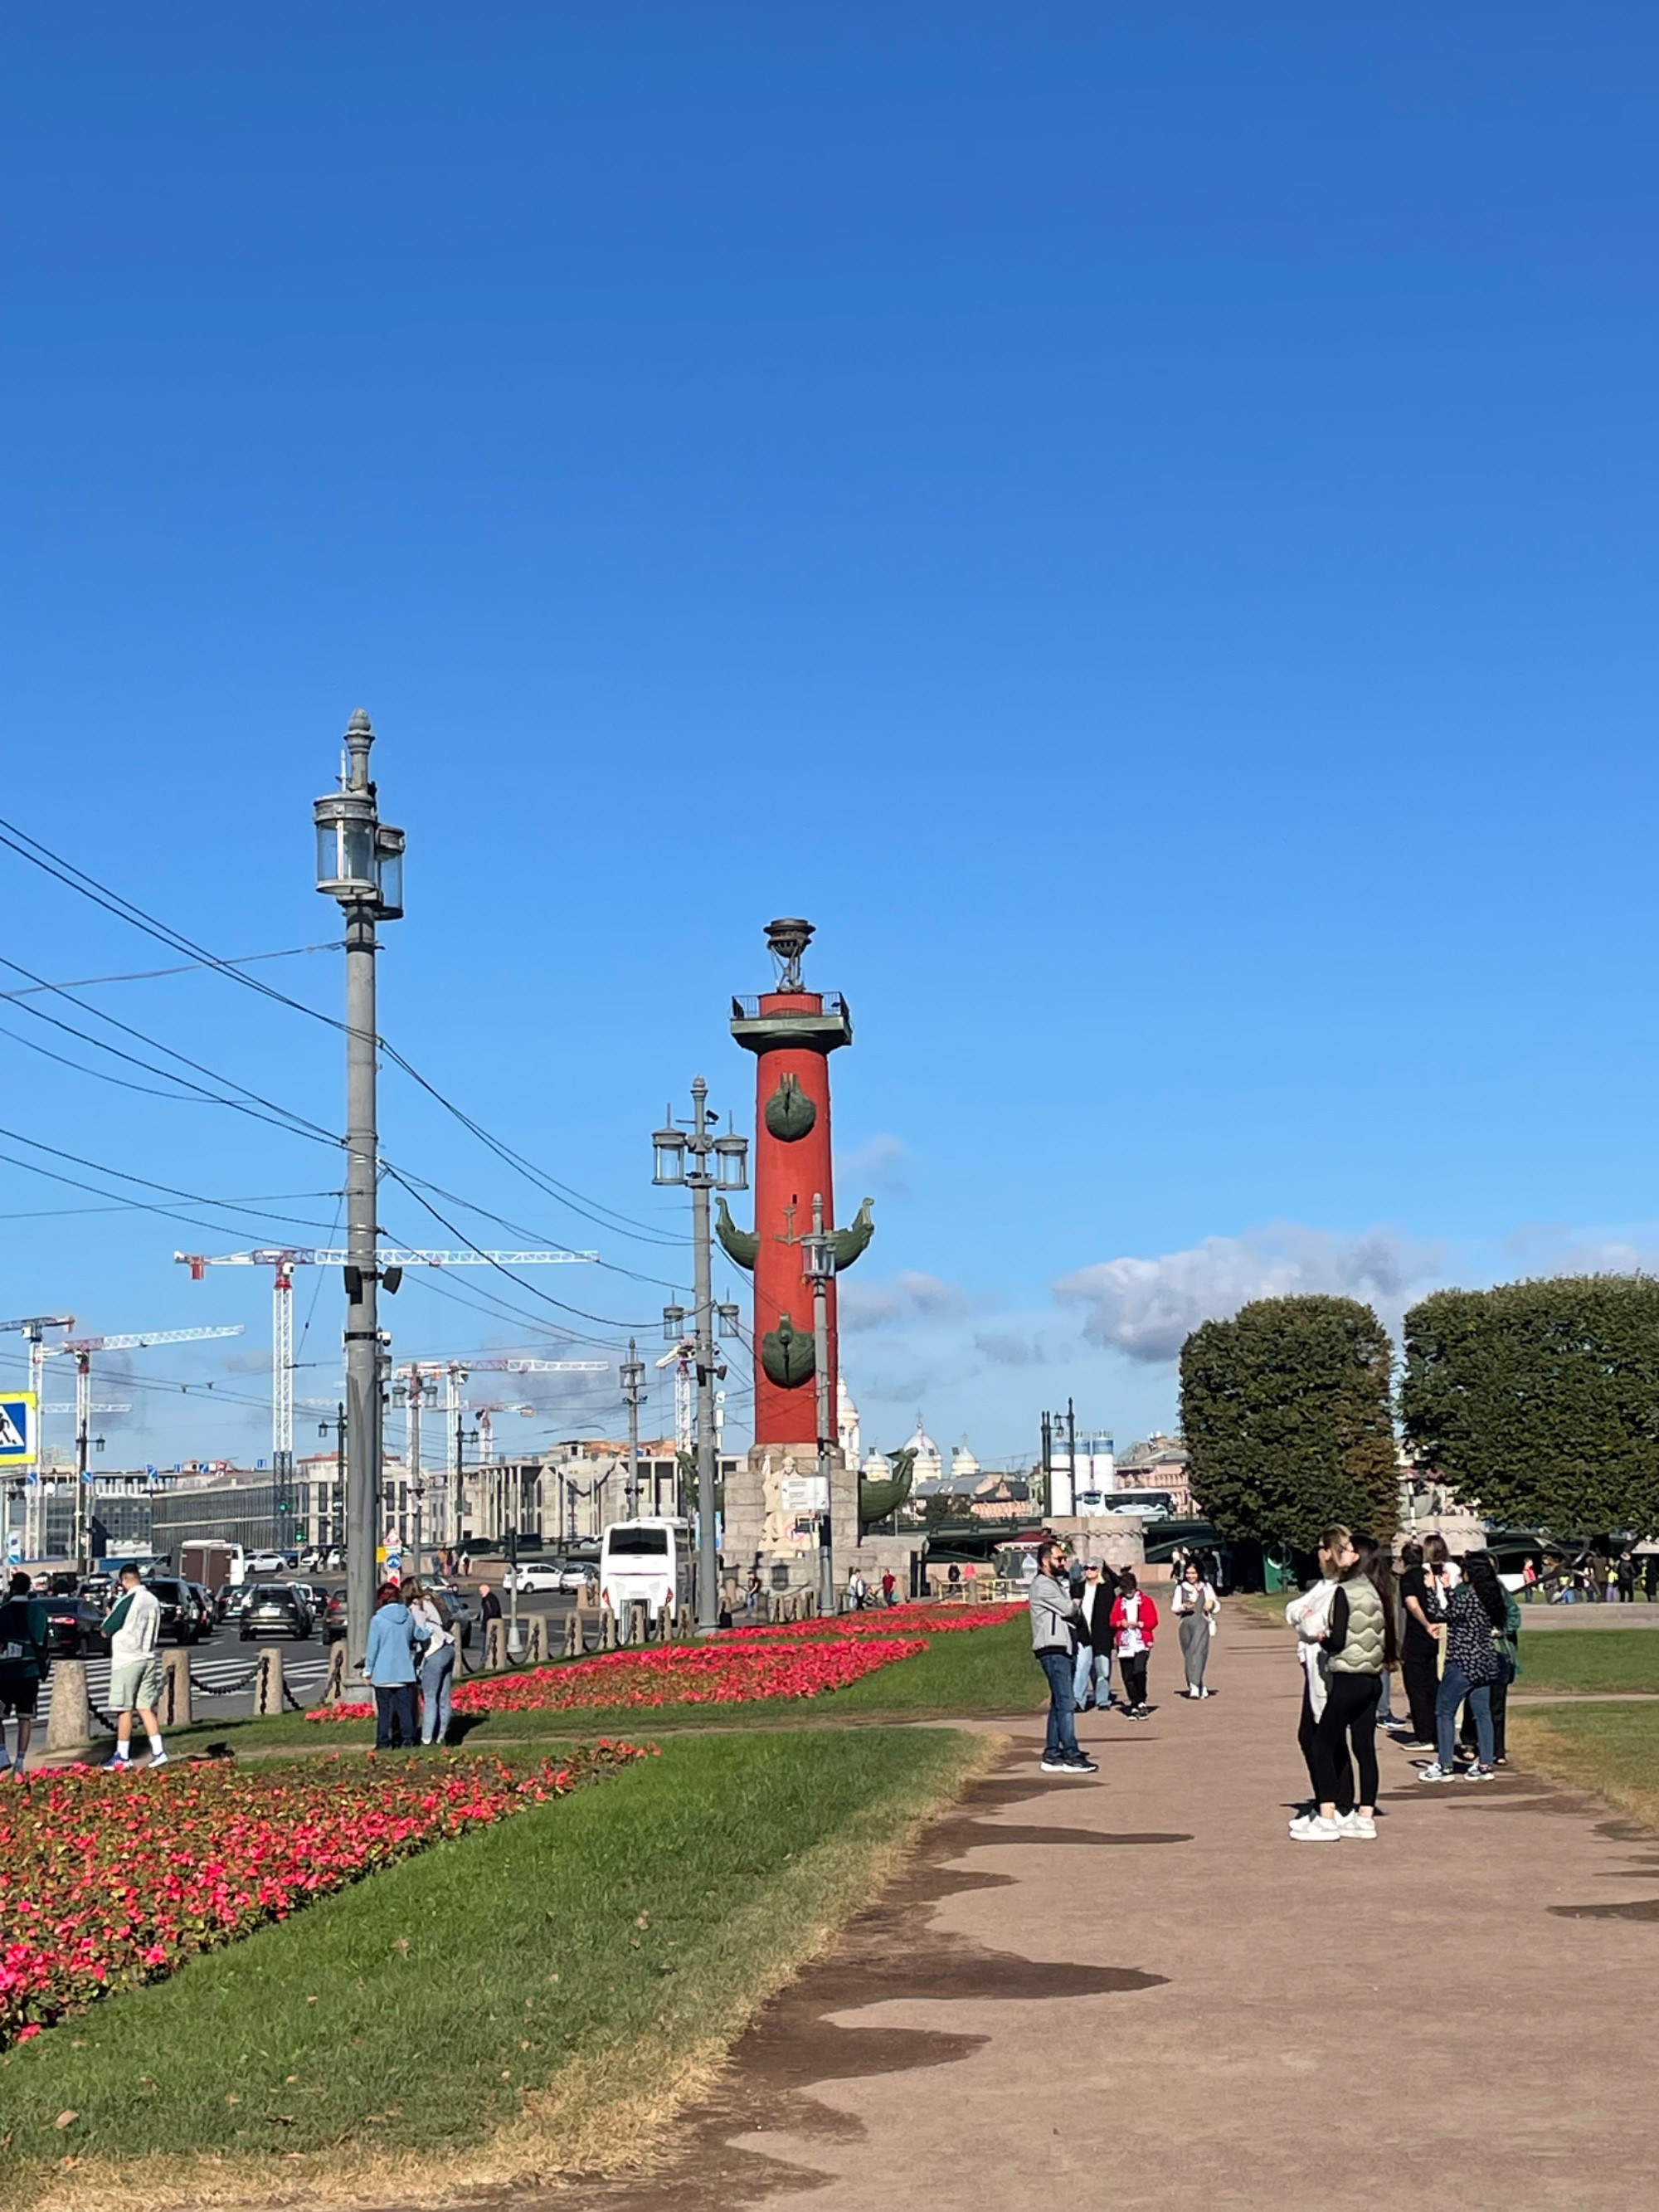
1540, 1399
1285, 1411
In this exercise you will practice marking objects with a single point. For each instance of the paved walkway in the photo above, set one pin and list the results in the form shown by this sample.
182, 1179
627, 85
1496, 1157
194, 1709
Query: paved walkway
1136, 1991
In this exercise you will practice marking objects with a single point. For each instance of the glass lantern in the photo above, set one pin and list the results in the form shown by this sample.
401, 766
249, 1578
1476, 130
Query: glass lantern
673, 1324
668, 1143
817, 1257
731, 1163
347, 866
729, 1318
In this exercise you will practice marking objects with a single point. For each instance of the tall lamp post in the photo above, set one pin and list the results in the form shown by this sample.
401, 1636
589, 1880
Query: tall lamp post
818, 1267
360, 862
632, 1372
729, 1171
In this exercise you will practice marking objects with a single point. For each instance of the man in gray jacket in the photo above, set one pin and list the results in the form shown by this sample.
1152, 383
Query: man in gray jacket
1052, 1611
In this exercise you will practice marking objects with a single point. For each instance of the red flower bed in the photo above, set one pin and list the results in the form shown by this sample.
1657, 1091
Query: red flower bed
918, 1618
716, 1673
109, 1881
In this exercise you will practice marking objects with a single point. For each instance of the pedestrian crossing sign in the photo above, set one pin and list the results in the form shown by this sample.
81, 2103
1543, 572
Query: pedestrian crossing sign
17, 1409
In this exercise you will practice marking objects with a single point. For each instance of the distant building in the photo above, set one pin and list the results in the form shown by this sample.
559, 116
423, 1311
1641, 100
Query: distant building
1158, 1463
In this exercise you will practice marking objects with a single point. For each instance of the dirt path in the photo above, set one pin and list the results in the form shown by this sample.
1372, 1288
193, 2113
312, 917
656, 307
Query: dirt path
1137, 1990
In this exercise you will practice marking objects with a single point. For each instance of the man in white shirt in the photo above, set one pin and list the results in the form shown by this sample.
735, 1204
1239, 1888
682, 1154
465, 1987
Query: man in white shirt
134, 1630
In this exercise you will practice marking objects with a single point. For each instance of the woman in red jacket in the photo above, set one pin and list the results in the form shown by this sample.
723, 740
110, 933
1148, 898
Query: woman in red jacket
1135, 1625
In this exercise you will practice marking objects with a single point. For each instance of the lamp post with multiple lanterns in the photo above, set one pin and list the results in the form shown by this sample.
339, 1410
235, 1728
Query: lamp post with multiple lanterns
715, 1163
360, 861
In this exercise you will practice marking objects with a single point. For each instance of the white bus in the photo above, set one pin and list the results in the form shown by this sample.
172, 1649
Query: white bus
649, 1562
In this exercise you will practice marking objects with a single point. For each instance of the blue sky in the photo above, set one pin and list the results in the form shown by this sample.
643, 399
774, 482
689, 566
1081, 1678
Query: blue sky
1140, 523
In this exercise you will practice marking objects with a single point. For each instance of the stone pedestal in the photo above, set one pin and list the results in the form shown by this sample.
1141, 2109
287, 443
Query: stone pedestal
268, 1685
770, 1516
175, 1698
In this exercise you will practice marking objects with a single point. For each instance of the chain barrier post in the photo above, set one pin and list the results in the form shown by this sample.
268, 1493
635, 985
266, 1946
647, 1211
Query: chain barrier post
495, 1647
268, 1688
573, 1636
334, 1688
177, 1714
68, 1724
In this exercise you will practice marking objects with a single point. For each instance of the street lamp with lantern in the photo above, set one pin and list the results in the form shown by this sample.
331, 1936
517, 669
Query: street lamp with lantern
359, 863
632, 1374
818, 1267
682, 1161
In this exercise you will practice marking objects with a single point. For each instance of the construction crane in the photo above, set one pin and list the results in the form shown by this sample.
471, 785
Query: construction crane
285, 1258
417, 1373
80, 1349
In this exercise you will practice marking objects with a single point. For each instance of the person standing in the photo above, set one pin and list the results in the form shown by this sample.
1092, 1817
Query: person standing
434, 1631
490, 1608
1054, 1611
1309, 1613
1134, 1625
889, 1588
133, 1628
389, 1664
1357, 1644
1197, 1608
1091, 1672
24, 1655
1419, 1658
1476, 1621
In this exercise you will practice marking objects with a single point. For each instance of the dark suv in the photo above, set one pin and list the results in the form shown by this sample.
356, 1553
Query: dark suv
274, 1609
181, 1611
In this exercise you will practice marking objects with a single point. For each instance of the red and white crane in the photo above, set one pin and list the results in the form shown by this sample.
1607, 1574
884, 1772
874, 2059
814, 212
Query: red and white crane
285, 1258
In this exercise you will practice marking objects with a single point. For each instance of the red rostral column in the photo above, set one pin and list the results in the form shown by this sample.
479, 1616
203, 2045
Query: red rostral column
792, 1031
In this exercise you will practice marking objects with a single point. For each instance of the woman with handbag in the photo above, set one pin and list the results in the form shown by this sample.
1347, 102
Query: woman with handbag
1472, 1659
1197, 1607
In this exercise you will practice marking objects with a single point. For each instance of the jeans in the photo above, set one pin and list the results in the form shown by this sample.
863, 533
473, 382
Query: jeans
1092, 1677
1061, 1742
394, 1714
1455, 1686
437, 1679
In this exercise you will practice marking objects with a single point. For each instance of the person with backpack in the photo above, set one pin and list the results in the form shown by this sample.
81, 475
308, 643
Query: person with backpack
1135, 1625
434, 1633
25, 1656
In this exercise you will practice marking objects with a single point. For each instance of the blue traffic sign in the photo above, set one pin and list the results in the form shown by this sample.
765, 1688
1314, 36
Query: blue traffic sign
17, 1410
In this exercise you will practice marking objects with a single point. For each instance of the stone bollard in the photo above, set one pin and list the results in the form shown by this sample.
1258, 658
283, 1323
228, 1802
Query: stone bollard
334, 1687
535, 1651
495, 1646
639, 1622
572, 1637
68, 1724
268, 1685
607, 1630
809, 1604
175, 1691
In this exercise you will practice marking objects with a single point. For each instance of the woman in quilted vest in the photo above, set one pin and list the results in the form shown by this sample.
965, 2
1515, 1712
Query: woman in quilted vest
1358, 1644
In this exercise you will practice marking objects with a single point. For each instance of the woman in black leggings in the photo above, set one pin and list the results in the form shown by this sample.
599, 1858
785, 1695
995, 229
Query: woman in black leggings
1358, 1646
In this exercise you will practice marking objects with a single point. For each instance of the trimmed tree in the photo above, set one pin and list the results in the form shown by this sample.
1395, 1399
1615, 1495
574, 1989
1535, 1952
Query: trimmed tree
1540, 1399
1285, 1411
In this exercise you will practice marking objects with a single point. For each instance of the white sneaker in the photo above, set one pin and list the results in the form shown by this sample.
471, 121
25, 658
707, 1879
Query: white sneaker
156, 1758
1316, 1831
1434, 1771
1480, 1774
1358, 1826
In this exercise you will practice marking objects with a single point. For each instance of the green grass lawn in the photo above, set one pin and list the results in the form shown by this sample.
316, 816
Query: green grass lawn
1612, 1749
978, 1672
1589, 1659
491, 1999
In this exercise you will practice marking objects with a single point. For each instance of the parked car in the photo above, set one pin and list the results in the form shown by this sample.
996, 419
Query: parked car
274, 1609
533, 1578
73, 1627
182, 1619
577, 1577
267, 1563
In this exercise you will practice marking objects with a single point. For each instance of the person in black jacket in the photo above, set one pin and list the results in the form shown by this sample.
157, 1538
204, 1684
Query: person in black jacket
1092, 1681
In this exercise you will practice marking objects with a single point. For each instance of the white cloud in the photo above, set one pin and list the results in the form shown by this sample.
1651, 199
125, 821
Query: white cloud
1147, 1308
1006, 1350
879, 1165
910, 1296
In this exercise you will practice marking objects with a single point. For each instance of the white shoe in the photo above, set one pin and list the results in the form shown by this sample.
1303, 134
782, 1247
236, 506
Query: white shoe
1434, 1771
1316, 1831
156, 1758
1358, 1825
